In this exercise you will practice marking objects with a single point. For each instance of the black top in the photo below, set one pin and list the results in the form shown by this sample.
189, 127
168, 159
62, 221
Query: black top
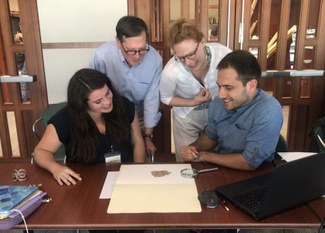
62, 123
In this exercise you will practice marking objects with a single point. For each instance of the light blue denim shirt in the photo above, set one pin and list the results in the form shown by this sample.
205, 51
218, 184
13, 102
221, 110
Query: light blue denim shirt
139, 83
252, 130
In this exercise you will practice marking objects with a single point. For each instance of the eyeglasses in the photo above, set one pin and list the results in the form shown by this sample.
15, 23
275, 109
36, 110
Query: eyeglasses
134, 52
188, 56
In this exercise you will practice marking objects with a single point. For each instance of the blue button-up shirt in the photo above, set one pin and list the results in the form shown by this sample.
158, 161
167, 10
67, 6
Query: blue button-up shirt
138, 83
252, 130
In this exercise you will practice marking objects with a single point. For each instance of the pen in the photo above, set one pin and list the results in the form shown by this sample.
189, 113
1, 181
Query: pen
224, 204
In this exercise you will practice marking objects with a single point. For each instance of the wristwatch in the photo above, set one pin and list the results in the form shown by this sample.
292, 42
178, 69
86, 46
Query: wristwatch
148, 135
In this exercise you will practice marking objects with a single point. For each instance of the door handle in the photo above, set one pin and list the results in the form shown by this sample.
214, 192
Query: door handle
292, 73
18, 79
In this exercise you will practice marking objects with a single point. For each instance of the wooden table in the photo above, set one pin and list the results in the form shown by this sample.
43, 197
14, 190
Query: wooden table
79, 206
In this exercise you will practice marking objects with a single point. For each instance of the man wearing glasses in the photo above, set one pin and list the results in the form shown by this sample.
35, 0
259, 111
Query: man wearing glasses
134, 68
188, 81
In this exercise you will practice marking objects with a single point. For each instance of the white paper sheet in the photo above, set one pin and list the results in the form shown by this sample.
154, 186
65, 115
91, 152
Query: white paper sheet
108, 186
290, 156
134, 174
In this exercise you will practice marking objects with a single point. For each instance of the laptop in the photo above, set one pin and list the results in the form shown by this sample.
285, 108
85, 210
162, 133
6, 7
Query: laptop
289, 185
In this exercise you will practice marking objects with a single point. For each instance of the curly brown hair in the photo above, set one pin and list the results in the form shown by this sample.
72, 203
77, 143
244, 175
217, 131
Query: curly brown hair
183, 29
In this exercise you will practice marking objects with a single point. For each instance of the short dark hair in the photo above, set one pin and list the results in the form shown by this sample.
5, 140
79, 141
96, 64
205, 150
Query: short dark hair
130, 26
244, 63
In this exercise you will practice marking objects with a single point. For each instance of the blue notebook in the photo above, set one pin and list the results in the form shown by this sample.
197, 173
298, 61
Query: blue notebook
12, 196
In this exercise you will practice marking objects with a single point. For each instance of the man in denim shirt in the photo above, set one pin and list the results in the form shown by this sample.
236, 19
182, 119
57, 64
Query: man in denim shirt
244, 121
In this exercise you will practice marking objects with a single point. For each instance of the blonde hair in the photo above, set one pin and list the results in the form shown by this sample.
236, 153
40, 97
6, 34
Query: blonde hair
181, 30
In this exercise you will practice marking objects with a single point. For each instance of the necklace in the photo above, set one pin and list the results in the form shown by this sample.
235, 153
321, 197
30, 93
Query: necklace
208, 54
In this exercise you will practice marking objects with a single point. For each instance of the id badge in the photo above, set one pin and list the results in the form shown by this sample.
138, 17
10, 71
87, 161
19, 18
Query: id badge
113, 157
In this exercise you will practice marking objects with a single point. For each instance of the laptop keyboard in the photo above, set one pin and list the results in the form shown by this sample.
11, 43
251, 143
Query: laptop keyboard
252, 200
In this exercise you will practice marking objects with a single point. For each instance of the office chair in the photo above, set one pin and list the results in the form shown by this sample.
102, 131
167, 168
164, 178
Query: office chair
44, 118
320, 138
317, 136
281, 146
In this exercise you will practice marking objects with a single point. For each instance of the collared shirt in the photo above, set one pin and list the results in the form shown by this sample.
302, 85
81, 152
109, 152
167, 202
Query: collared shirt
138, 83
176, 80
252, 130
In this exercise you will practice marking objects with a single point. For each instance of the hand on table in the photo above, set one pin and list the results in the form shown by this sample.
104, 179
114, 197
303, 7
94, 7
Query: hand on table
189, 153
65, 175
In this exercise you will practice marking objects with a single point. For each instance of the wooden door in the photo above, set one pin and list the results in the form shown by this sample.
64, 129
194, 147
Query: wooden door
20, 103
288, 35
156, 22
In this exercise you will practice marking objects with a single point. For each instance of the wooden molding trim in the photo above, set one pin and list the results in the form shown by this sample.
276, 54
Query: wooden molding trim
71, 45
